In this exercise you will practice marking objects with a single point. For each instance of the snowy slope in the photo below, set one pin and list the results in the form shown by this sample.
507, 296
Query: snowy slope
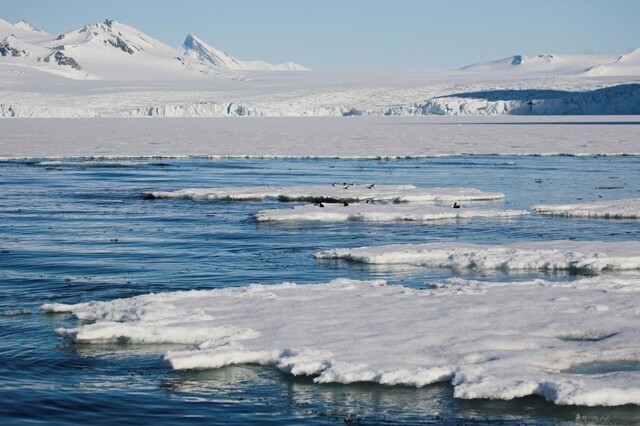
547, 64
22, 30
628, 64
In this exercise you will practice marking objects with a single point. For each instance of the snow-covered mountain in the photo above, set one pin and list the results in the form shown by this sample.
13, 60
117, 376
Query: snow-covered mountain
195, 48
133, 74
627, 65
22, 30
111, 50
24, 25
561, 65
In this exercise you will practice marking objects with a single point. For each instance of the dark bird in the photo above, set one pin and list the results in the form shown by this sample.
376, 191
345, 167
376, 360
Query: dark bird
456, 205
320, 204
345, 204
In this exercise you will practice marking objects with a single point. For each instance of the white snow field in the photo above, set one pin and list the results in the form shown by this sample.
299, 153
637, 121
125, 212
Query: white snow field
357, 137
578, 256
572, 343
379, 213
628, 208
337, 192
110, 69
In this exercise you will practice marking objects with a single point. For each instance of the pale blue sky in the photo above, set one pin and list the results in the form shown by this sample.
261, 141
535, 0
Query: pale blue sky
361, 34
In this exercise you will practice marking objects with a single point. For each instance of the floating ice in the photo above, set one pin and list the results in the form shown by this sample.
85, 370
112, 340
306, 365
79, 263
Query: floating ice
577, 256
613, 209
489, 340
319, 137
379, 212
338, 192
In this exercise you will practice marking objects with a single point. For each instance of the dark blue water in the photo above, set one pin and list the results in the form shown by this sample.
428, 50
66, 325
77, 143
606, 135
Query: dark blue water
73, 231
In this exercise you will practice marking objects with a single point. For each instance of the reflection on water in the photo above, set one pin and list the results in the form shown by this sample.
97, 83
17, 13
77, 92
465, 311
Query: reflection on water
73, 231
604, 367
371, 403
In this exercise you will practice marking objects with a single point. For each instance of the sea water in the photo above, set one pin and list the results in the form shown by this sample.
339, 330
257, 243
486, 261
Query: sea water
79, 229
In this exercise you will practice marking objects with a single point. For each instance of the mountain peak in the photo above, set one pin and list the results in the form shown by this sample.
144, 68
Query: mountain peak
24, 25
195, 48
7, 47
191, 39
111, 33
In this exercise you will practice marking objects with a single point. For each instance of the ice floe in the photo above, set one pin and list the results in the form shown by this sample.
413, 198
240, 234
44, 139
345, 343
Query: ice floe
489, 340
378, 213
576, 256
319, 137
337, 192
628, 208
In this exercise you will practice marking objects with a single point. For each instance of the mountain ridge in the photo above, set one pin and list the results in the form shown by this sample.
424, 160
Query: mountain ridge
95, 51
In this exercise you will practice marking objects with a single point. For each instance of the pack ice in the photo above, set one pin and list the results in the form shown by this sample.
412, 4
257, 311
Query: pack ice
337, 192
378, 213
571, 343
628, 208
577, 256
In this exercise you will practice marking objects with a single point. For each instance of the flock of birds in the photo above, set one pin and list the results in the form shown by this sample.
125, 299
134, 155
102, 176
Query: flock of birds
346, 185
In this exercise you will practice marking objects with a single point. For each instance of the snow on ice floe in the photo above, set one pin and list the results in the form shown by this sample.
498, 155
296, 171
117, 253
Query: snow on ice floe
378, 213
489, 340
577, 256
612, 209
339, 192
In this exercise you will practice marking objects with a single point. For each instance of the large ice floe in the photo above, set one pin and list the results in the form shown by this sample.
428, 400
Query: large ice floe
337, 192
378, 213
576, 256
571, 343
628, 208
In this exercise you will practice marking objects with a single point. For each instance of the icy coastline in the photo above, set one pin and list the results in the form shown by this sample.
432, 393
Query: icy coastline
486, 100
